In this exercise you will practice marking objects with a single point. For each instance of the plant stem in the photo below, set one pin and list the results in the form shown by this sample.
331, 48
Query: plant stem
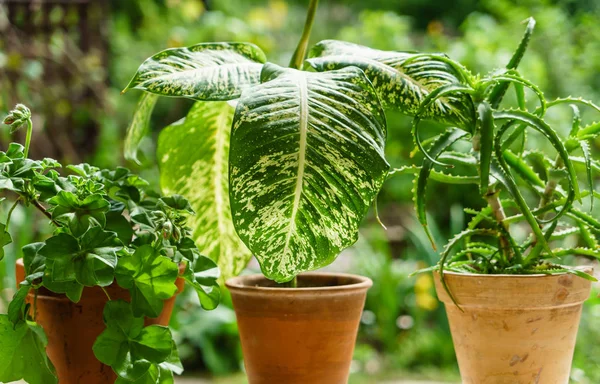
300, 53
10, 213
41, 208
106, 293
294, 282
495, 204
28, 137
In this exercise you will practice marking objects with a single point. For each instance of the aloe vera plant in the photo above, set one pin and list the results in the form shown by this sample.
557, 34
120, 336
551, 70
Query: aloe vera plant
518, 183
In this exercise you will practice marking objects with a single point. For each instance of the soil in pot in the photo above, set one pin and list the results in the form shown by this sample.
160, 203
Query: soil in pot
72, 329
514, 329
299, 335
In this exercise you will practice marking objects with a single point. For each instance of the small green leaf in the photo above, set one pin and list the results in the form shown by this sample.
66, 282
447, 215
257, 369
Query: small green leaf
177, 202
23, 353
17, 306
203, 276
5, 239
89, 262
149, 277
79, 214
127, 346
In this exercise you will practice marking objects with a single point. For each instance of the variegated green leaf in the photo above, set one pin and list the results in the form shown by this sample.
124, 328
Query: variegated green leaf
208, 71
306, 161
139, 126
193, 156
402, 79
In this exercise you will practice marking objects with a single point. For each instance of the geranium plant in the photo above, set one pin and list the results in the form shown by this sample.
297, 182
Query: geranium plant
109, 228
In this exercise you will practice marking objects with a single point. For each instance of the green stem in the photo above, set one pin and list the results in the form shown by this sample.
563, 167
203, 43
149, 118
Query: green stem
28, 137
106, 293
300, 52
41, 208
10, 213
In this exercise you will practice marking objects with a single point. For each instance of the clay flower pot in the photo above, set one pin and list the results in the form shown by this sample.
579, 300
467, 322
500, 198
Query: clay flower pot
72, 329
299, 335
514, 329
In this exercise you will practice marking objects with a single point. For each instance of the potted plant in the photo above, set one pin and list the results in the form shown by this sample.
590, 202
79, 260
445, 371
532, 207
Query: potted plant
95, 299
287, 175
513, 308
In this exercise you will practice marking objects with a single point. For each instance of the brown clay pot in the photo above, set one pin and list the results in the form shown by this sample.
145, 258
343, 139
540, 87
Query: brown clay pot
514, 329
72, 329
299, 335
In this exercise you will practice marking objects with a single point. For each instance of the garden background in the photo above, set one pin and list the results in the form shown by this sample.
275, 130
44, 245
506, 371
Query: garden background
69, 63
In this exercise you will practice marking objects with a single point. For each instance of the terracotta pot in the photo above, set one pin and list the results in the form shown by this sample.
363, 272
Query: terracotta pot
299, 335
514, 329
72, 329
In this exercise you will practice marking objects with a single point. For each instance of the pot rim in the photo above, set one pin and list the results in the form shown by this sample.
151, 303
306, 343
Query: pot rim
584, 268
244, 283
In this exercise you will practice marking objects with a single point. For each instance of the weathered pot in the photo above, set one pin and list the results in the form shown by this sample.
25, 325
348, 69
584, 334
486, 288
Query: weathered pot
299, 335
514, 329
72, 329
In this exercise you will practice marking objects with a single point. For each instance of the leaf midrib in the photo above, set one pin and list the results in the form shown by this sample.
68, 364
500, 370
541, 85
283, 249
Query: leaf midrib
303, 127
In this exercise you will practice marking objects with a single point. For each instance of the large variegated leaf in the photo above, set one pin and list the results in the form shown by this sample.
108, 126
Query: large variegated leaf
193, 155
209, 71
306, 161
401, 79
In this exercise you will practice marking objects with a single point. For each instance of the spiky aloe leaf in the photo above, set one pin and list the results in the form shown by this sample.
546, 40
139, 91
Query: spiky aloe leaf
208, 71
522, 168
444, 141
499, 90
450, 245
585, 149
436, 175
541, 126
193, 158
139, 126
485, 120
502, 175
402, 79
306, 161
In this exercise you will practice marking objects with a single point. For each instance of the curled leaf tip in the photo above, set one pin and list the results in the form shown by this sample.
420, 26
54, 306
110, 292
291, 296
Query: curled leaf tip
17, 117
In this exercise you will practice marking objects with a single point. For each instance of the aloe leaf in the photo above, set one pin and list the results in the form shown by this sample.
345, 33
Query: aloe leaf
139, 126
585, 149
576, 121
542, 127
499, 90
446, 252
436, 94
208, 71
573, 100
523, 169
193, 158
517, 80
306, 161
401, 79
444, 141
589, 131
436, 175
584, 218
486, 124
500, 173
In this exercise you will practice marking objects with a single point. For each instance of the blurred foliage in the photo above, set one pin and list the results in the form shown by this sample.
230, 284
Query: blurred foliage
404, 328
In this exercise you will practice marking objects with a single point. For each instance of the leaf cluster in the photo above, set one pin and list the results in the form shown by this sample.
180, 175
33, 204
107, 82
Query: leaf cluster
109, 228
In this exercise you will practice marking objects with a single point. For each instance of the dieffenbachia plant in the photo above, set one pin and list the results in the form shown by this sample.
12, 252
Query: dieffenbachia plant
292, 170
109, 228
510, 175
